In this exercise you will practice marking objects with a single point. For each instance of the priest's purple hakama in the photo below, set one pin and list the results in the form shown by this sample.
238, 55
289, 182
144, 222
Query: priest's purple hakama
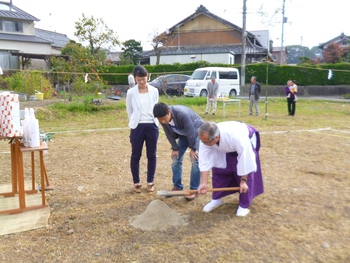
227, 177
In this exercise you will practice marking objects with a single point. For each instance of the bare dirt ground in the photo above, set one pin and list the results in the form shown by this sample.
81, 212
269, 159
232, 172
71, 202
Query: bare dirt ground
303, 216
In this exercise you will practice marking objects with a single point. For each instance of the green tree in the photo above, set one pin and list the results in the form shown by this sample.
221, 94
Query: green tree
307, 60
125, 59
131, 50
299, 54
72, 71
29, 82
96, 33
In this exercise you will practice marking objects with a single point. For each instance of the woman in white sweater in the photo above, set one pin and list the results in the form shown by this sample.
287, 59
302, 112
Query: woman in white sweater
144, 127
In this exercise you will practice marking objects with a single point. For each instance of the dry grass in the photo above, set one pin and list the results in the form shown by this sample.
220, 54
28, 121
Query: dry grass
303, 216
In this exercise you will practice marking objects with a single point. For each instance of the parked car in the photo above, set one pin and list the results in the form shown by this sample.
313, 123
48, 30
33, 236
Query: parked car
171, 84
227, 78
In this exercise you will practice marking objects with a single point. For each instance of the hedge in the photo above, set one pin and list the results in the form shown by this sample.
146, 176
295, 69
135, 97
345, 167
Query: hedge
306, 75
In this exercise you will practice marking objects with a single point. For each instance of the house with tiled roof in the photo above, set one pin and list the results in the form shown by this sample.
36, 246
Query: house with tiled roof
342, 40
21, 42
206, 36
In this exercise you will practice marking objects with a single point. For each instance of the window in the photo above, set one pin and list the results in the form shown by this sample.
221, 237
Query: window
199, 74
213, 74
12, 26
170, 78
208, 76
232, 75
7, 61
6, 7
223, 75
181, 78
228, 75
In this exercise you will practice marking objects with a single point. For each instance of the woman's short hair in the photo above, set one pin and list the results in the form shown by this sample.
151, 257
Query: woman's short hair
140, 71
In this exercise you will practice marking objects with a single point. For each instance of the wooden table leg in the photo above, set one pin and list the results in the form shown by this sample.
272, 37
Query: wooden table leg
14, 167
42, 175
33, 171
20, 176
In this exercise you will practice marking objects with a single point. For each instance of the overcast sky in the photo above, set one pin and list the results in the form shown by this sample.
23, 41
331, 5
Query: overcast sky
310, 22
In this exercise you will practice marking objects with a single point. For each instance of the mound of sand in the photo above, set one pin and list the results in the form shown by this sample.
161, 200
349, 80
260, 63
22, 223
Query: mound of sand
158, 216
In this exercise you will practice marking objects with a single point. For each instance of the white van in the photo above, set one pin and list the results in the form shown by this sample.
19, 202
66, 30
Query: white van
227, 78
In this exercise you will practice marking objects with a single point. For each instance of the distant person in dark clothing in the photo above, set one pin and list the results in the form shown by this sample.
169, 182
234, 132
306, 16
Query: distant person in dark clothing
291, 92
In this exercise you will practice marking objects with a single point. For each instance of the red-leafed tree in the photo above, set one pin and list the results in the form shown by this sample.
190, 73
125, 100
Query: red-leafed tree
347, 54
333, 53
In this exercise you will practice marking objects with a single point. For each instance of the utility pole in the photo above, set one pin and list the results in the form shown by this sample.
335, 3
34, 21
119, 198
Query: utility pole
244, 43
284, 20
178, 39
267, 70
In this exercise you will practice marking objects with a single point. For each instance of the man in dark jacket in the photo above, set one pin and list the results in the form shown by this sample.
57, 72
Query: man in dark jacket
180, 125
254, 93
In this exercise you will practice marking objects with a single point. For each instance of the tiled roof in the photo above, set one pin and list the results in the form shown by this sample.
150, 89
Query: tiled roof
57, 39
14, 12
23, 38
338, 38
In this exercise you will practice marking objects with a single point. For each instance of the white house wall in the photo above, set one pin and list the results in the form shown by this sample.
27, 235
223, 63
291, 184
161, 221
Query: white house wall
27, 47
28, 28
189, 58
55, 51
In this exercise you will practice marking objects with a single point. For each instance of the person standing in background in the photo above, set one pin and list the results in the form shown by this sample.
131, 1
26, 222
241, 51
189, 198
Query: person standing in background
254, 94
213, 91
291, 91
140, 101
131, 80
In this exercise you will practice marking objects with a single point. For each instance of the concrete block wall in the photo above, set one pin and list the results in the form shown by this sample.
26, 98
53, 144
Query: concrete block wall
302, 90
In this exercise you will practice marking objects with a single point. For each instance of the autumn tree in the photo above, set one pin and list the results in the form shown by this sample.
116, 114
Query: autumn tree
96, 33
347, 55
131, 52
332, 53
